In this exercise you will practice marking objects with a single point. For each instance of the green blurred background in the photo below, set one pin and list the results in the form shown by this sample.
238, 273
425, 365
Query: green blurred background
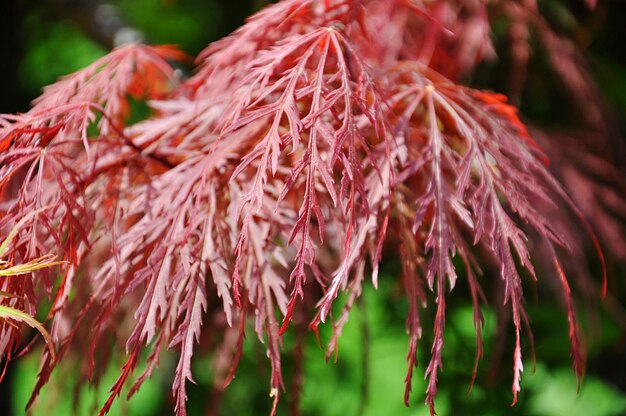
42, 40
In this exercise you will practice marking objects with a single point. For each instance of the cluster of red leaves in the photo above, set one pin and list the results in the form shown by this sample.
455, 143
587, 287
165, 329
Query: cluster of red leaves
310, 141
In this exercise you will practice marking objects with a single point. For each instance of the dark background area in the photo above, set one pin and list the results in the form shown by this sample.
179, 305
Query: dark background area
192, 24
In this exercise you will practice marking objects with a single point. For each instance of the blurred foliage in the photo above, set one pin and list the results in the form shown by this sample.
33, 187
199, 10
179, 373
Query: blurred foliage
63, 396
53, 47
190, 24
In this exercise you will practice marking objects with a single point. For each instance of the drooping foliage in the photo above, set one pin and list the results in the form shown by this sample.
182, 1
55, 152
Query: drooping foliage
317, 140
